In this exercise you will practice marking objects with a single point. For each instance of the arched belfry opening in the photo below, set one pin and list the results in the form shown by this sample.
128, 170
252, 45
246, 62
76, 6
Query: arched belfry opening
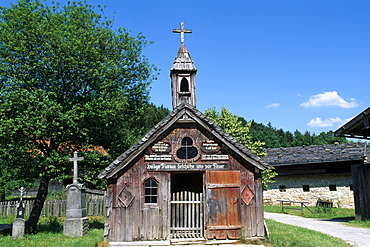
184, 85
182, 74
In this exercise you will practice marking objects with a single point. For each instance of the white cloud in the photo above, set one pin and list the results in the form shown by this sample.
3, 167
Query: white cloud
272, 105
329, 122
329, 99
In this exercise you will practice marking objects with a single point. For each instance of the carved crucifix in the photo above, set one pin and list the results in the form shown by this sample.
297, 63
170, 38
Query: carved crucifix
182, 31
75, 159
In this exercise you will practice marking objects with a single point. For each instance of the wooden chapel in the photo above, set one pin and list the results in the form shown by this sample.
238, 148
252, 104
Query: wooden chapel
186, 180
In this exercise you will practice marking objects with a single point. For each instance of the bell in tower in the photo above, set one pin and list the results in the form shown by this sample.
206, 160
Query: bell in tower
182, 74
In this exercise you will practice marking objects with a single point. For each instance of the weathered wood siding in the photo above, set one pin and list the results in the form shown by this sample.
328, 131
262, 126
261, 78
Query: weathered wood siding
132, 219
233, 206
223, 205
361, 191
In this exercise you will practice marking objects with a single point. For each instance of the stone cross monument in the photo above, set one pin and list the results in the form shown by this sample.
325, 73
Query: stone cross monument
75, 159
76, 223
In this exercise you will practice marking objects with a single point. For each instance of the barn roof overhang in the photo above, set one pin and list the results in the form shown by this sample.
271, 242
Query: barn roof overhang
182, 114
358, 127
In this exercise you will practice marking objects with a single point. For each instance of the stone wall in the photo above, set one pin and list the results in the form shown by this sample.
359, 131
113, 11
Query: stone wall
318, 187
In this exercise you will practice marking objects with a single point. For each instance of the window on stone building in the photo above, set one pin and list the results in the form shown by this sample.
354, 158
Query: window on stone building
306, 188
332, 187
282, 188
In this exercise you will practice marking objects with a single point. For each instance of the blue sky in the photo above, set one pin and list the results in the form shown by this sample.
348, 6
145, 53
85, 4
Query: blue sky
298, 64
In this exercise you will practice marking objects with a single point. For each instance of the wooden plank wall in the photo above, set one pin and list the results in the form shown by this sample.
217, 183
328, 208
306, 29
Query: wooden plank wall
140, 221
361, 191
252, 211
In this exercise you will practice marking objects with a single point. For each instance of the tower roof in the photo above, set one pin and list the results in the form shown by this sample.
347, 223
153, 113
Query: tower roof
183, 60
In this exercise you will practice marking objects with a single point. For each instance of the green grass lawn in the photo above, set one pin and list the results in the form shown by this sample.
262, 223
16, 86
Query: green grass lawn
283, 235
344, 214
50, 234
318, 212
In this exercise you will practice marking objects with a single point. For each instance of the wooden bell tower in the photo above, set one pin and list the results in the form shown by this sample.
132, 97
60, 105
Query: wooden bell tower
182, 74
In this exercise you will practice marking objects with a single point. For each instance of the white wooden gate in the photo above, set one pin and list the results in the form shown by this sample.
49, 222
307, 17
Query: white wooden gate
186, 215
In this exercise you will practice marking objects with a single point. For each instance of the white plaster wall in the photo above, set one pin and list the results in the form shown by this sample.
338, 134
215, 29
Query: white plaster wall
319, 187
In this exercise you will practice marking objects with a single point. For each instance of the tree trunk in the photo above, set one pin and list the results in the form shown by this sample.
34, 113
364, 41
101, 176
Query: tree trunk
38, 205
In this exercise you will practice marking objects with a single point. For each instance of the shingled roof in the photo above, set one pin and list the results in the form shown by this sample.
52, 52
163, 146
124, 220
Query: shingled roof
316, 154
184, 112
183, 60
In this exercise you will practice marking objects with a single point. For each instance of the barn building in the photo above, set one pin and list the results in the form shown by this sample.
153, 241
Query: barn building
359, 127
186, 180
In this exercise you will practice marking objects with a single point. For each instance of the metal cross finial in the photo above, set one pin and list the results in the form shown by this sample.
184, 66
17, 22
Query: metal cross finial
182, 31
20, 205
75, 159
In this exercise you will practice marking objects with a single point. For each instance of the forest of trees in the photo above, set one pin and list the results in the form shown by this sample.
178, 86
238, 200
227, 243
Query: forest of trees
276, 138
258, 132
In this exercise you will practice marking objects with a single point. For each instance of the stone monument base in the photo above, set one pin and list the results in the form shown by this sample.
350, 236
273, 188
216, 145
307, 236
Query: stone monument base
76, 227
19, 226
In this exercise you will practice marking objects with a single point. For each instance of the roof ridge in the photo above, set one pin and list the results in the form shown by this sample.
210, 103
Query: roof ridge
131, 151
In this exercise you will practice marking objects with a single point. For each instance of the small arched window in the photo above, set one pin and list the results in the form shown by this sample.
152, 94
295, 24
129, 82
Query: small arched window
150, 191
184, 85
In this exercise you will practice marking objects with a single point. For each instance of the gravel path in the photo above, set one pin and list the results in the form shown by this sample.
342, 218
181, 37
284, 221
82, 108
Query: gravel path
354, 235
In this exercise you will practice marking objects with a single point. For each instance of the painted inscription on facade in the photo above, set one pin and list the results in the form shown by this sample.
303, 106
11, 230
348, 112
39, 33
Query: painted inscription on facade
155, 157
210, 147
215, 157
161, 147
187, 167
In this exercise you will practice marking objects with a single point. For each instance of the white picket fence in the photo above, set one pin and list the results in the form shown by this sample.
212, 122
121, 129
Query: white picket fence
52, 207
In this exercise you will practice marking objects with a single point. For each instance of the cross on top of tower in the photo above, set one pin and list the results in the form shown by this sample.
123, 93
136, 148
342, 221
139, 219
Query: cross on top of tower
182, 31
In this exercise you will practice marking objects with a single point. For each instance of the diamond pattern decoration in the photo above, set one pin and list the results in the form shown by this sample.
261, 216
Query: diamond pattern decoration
124, 198
247, 194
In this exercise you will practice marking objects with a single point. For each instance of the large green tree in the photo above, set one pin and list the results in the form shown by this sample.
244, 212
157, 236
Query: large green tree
239, 129
68, 83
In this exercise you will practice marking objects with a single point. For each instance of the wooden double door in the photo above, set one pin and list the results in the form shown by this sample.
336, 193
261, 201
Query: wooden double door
213, 213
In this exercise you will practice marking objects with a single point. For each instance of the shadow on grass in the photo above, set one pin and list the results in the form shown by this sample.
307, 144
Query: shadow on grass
96, 222
51, 224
